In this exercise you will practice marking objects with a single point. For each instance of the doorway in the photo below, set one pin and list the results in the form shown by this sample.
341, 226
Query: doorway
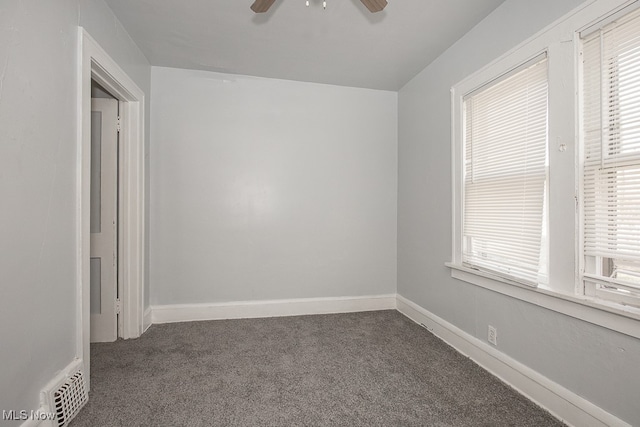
95, 64
105, 293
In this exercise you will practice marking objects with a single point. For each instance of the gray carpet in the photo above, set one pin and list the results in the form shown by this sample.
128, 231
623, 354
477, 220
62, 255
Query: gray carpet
360, 369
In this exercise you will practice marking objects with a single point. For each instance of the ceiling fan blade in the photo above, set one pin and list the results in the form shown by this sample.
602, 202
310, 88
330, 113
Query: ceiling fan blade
261, 6
374, 5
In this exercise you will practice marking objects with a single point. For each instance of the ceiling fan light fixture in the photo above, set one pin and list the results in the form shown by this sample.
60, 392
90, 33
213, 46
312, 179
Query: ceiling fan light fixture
261, 6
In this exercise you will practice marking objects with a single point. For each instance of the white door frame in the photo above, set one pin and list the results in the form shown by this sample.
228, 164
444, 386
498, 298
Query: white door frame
96, 64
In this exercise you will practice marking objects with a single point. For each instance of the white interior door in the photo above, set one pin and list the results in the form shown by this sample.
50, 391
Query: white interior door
104, 214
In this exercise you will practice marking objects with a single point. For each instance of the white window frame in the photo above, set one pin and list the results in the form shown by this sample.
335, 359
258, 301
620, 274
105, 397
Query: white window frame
565, 293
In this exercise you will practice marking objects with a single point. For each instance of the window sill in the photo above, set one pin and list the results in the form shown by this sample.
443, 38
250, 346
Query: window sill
623, 319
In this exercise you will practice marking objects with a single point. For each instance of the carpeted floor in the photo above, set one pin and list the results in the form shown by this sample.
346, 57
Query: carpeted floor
360, 369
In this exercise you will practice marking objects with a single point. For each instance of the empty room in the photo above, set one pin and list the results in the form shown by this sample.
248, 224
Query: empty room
320, 213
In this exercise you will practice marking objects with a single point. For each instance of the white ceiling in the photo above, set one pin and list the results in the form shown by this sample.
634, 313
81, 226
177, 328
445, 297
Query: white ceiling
342, 45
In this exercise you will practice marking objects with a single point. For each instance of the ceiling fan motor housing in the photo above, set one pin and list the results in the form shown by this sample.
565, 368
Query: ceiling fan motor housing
261, 6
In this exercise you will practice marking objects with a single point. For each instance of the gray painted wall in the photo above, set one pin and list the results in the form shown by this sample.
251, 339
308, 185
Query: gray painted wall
601, 365
269, 189
37, 217
38, 119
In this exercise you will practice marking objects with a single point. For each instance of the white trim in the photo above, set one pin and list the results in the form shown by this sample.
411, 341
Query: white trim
456, 187
146, 320
95, 63
273, 308
595, 9
619, 318
559, 401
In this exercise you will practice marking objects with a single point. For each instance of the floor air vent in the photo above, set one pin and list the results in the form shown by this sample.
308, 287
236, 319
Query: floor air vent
67, 395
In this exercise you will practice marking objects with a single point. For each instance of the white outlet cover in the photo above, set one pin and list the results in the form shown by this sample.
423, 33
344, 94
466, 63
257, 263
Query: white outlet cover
493, 335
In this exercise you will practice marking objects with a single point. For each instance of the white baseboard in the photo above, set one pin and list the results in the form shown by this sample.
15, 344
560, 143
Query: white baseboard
146, 320
559, 401
273, 308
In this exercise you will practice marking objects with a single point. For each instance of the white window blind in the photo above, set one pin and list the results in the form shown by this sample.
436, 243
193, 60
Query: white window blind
611, 175
505, 176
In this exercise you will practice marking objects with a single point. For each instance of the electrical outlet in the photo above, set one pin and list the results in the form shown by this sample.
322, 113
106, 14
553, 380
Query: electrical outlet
493, 335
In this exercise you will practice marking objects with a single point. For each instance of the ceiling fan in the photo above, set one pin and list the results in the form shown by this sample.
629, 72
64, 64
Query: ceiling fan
261, 6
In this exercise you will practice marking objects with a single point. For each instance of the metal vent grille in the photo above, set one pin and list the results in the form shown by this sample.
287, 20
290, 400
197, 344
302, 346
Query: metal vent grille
69, 398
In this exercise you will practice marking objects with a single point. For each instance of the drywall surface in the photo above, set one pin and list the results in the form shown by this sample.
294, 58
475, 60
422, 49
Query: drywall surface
38, 119
266, 189
596, 363
37, 190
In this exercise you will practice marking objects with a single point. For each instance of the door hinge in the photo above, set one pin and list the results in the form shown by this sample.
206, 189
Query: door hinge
118, 124
118, 306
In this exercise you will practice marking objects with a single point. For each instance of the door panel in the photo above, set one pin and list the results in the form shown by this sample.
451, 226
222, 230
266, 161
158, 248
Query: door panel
96, 285
104, 196
96, 157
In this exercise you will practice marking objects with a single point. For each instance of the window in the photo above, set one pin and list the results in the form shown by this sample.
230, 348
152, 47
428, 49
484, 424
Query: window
611, 173
505, 175
546, 169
